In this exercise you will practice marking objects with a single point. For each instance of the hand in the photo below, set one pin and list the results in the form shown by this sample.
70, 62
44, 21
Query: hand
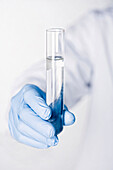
28, 118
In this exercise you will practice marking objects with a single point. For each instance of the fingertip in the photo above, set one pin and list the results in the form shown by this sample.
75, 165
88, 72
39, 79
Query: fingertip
69, 118
72, 118
47, 114
53, 141
52, 132
56, 142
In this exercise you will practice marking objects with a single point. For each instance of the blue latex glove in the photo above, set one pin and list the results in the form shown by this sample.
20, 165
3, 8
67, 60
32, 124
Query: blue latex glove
28, 118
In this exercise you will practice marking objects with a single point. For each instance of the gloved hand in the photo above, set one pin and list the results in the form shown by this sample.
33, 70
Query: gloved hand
28, 118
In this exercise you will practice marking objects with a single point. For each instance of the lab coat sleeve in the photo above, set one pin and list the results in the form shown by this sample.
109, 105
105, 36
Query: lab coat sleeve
79, 46
78, 65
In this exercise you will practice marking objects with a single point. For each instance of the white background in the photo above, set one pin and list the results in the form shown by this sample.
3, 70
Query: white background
22, 43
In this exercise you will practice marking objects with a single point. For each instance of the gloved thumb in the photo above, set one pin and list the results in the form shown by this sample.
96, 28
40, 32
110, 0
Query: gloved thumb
69, 118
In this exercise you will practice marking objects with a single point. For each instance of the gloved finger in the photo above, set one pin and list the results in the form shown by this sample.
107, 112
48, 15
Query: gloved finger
35, 122
27, 87
34, 99
37, 136
69, 118
22, 138
27, 141
31, 133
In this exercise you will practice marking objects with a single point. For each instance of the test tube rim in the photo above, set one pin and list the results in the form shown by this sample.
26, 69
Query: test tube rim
55, 30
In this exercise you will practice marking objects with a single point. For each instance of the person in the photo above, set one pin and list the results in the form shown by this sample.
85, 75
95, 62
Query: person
88, 69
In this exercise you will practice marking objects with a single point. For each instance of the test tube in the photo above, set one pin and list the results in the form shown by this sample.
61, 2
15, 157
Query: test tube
55, 75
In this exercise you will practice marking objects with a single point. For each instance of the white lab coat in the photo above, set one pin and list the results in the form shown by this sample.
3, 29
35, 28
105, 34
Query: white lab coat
88, 69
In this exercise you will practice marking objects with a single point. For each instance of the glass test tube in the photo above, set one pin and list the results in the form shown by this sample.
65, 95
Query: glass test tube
55, 75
